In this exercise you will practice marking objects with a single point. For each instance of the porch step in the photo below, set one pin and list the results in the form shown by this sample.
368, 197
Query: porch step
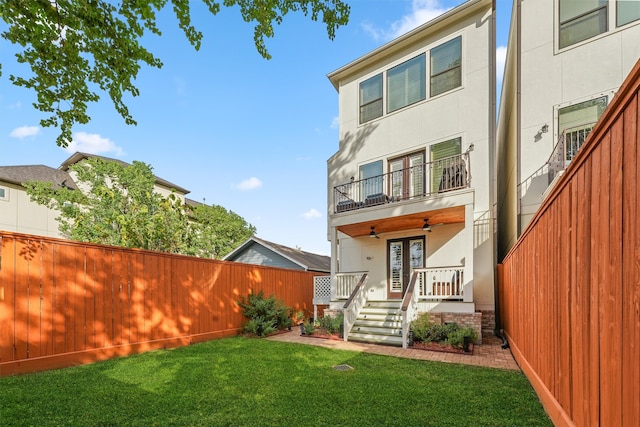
379, 322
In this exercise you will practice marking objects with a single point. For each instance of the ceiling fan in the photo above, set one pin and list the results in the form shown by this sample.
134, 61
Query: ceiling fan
428, 227
373, 233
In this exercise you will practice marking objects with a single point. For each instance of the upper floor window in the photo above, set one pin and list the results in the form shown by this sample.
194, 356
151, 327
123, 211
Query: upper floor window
627, 11
446, 66
581, 20
371, 98
371, 179
444, 155
406, 83
576, 121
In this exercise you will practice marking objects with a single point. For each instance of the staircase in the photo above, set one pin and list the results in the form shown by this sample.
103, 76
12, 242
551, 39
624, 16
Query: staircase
379, 322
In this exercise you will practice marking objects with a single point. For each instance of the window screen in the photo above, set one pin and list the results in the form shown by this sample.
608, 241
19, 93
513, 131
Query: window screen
581, 19
446, 72
406, 83
371, 179
576, 121
627, 11
441, 158
371, 98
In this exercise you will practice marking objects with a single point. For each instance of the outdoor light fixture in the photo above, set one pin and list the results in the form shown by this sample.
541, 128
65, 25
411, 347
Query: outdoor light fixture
471, 148
426, 226
372, 233
545, 128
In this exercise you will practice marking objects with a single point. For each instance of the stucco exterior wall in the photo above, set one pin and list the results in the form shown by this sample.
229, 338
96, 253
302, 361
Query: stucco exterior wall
550, 78
19, 214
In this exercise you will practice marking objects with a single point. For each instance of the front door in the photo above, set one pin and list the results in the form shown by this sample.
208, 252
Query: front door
404, 256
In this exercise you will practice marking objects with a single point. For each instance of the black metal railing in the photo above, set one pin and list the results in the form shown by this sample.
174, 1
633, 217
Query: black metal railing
448, 174
568, 145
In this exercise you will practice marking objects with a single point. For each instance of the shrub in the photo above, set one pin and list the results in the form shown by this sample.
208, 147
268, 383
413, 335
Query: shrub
456, 338
332, 324
309, 327
266, 315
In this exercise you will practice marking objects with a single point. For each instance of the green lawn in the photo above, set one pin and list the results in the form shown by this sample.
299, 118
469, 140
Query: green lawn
254, 382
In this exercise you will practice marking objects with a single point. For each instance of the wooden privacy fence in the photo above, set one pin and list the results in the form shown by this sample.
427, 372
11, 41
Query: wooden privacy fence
569, 291
64, 303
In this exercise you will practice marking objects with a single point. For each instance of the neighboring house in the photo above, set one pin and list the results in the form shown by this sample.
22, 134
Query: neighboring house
261, 252
565, 61
19, 214
410, 189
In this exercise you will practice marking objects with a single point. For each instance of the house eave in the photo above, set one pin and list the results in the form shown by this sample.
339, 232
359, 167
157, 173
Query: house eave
434, 26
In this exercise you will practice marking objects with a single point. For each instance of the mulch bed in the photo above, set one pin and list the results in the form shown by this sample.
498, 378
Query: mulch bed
441, 347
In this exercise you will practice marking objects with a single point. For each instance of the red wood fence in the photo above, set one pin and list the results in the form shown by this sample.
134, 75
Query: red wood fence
64, 303
570, 289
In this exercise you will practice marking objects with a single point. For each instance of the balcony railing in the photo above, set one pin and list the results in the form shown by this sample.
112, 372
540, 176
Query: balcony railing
440, 176
569, 142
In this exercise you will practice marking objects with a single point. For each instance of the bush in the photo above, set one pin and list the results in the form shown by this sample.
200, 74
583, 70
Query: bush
309, 327
266, 315
456, 339
332, 324
426, 331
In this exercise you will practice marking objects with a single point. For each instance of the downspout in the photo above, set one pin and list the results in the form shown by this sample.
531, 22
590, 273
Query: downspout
518, 114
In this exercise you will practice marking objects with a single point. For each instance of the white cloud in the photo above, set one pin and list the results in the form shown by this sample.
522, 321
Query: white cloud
422, 11
92, 143
249, 184
311, 213
335, 123
24, 131
501, 56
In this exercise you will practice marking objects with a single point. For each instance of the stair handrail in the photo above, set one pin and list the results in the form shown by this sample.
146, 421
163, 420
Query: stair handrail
354, 304
409, 303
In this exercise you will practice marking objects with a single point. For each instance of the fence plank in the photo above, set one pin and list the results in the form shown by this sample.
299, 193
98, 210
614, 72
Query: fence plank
576, 269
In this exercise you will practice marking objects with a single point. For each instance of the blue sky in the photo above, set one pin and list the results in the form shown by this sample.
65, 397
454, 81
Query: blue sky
249, 134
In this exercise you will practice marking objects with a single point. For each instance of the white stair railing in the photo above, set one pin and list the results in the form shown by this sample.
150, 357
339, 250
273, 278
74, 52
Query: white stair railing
354, 304
408, 309
346, 283
443, 283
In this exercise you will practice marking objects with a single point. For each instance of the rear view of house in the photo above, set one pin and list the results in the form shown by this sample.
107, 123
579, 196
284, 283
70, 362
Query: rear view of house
410, 188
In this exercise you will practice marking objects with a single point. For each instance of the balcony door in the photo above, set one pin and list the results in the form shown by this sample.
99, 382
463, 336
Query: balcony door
407, 176
404, 255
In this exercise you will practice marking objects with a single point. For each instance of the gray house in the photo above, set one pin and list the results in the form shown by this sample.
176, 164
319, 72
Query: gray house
261, 252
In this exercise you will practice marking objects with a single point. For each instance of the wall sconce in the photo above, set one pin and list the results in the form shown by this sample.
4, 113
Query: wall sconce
545, 128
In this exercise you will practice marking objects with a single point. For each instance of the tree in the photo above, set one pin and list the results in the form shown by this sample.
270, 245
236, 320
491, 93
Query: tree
115, 204
76, 46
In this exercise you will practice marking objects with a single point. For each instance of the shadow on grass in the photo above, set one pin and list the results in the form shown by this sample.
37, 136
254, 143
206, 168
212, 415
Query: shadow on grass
255, 382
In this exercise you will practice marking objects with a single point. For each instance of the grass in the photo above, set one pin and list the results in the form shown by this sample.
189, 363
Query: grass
253, 382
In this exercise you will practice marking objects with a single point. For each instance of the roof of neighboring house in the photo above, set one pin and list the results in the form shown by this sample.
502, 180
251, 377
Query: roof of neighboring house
79, 156
431, 27
21, 174
306, 260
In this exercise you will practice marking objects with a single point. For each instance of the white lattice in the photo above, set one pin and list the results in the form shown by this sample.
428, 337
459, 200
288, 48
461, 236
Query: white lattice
321, 289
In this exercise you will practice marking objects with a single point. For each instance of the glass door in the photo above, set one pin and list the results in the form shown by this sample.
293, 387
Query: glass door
405, 255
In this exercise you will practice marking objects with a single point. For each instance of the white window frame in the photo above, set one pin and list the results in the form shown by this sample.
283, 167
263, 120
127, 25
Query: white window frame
430, 76
5, 196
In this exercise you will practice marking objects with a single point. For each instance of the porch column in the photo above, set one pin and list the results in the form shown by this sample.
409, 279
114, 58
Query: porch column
468, 258
333, 232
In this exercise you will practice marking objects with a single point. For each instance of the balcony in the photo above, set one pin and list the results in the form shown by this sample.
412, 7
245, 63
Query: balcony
567, 147
416, 182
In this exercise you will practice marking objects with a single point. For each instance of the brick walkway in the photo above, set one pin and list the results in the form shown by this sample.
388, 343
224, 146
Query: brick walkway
490, 354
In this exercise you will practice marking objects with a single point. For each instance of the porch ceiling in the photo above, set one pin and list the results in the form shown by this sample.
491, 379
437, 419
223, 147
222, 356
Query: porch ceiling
451, 215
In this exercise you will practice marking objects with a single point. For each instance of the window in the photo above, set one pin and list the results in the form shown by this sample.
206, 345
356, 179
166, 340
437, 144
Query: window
4, 194
446, 70
407, 176
371, 98
581, 20
627, 11
576, 121
406, 83
444, 156
371, 179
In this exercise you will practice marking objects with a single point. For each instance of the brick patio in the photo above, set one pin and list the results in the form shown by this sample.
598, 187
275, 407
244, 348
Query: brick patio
489, 354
